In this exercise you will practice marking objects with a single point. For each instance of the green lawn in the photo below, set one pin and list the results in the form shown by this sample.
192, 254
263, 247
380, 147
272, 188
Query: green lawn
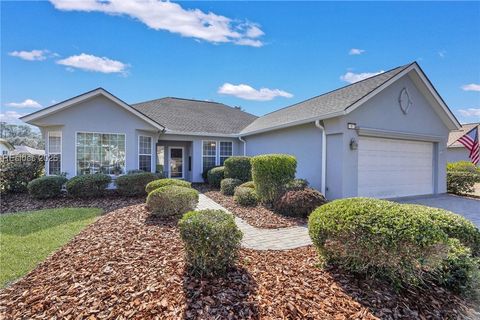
27, 238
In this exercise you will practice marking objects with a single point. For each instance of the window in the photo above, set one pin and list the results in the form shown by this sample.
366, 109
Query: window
100, 153
54, 153
145, 153
226, 151
161, 160
209, 154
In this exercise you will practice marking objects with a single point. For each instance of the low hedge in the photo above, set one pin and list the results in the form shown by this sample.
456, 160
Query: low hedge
228, 185
88, 185
133, 184
172, 201
270, 173
460, 182
464, 166
166, 182
245, 196
215, 176
238, 167
46, 187
299, 203
211, 240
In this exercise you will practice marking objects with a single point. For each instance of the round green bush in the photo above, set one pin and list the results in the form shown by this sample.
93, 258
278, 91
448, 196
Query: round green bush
295, 185
464, 166
228, 185
378, 237
299, 203
172, 201
46, 187
461, 182
166, 182
248, 184
211, 241
88, 185
238, 167
133, 184
270, 173
246, 197
215, 176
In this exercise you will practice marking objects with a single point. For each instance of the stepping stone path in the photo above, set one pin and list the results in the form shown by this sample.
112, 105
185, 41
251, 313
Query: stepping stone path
263, 239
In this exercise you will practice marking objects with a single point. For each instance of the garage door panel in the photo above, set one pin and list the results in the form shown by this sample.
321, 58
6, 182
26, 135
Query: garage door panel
394, 168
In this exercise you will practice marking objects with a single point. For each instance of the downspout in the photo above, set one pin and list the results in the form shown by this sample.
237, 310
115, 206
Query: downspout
324, 155
244, 145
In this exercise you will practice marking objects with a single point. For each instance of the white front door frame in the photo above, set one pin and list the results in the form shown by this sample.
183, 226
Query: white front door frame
183, 161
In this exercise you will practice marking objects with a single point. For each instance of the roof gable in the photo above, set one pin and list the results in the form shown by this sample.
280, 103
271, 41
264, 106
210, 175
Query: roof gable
457, 134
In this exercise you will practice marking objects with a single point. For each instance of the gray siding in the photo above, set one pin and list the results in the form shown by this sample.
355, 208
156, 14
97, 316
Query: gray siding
457, 154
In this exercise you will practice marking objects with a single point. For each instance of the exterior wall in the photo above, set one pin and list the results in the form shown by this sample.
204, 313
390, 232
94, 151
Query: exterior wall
457, 154
4, 150
100, 115
304, 142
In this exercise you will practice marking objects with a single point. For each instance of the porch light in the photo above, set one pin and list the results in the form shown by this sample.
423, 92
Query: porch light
353, 144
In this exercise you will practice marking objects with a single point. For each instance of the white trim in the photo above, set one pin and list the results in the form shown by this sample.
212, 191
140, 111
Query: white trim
144, 154
202, 134
216, 153
399, 135
88, 95
47, 149
324, 156
183, 162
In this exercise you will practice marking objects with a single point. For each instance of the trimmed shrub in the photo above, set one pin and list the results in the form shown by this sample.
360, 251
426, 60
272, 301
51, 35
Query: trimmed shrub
17, 171
270, 173
88, 185
46, 187
215, 176
460, 182
245, 196
211, 241
205, 173
133, 184
299, 203
172, 201
238, 167
135, 171
228, 185
379, 238
464, 166
248, 184
166, 182
295, 185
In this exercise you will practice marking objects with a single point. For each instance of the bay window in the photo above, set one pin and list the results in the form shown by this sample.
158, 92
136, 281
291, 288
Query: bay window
145, 153
100, 153
54, 151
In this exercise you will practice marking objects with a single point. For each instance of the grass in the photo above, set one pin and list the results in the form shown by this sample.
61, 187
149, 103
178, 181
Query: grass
27, 238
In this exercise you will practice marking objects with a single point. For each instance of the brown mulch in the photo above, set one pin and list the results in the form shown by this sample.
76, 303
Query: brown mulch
127, 265
23, 202
258, 216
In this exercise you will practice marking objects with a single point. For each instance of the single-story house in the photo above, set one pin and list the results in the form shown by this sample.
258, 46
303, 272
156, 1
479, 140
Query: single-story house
385, 136
455, 150
5, 147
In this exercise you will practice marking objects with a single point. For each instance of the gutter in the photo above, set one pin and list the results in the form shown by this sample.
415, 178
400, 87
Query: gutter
244, 145
324, 155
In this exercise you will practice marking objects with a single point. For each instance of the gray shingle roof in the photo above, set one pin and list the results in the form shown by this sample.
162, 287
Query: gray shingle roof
331, 102
195, 116
455, 135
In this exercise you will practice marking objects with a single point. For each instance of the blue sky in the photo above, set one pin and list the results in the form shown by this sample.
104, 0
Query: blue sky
257, 55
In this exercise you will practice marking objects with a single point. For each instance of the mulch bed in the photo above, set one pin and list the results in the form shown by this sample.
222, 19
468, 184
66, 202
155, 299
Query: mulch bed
23, 202
257, 216
128, 265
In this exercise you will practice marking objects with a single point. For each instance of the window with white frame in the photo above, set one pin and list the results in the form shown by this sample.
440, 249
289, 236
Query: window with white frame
226, 151
54, 152
209, 154
145, 153
100, 153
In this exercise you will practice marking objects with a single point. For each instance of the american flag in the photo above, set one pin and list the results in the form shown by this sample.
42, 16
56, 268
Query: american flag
471, 142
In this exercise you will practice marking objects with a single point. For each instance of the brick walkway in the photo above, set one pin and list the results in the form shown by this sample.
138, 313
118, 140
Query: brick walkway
263, 239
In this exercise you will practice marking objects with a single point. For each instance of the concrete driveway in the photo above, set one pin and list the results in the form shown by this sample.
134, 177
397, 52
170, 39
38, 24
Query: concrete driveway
467, 207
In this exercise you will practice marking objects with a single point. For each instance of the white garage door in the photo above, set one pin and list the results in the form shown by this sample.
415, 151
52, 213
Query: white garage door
389, 168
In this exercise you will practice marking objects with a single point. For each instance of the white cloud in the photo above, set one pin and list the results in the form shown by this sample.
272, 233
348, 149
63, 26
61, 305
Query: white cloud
11, 117
90, 62
28, 103
34, 55
355, 51
470, 112
471, 87
169, 16
246, 92
351, 77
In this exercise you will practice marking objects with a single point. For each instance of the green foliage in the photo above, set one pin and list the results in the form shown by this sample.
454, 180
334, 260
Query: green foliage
248, 184
238, 167
166, 182
270, 173
133, 184
205, 173
228, 185
17, 171
245, 196
460, 182
211, 240
215, 176
46, 187
464, 166
299, 203
295, 184
379, 238
88, 185
172, 200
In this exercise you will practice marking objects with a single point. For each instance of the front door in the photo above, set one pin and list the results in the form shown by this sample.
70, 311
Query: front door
176, 165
